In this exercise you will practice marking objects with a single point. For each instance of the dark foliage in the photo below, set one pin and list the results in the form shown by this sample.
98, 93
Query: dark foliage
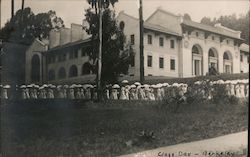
25, 26
115, 54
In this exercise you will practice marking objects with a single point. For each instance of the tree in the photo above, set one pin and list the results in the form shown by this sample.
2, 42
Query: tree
115, 55
25, 26
187, 17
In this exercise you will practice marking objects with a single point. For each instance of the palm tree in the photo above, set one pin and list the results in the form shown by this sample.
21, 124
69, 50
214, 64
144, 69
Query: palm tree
12, 8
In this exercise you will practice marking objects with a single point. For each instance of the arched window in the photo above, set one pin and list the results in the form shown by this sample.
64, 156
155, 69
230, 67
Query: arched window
211, 53
197, 61
62, 73
86, 68
228, 62
35, 69
212, 61
73, 71
51, 75
195, 50
226, 56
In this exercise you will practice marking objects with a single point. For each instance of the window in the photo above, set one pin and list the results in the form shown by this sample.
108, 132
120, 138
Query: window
75, 53
150, 61
132, 39
71, 55
61, 73
62, 57
52, 59
132, 63
172, 64
212, 37
225, 56
83, 52
241, 58
227, 41
150, 39
73, 71
161, 41
161, 62
172, 44
51, 75
197, 34
247, 59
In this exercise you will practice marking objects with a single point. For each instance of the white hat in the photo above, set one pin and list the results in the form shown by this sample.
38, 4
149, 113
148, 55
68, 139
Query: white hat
115, 86
132, 86
175, 84
137, 83
125, 81
30, 86
66, 86
22, 86
6, 86
45, 86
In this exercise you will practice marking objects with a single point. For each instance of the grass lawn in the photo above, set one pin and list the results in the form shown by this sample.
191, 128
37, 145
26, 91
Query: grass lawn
86, 129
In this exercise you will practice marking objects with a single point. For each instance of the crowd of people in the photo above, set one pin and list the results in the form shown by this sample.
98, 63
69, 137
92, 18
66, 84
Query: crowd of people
124, 90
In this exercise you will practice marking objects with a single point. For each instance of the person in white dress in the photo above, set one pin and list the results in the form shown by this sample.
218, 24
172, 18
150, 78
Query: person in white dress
71, 93
141, 93
132, 92
247, 90
122, 94
237, 90
88, 93
127, 92
82, 95
78, 93
232, 89
242, 90
114, 94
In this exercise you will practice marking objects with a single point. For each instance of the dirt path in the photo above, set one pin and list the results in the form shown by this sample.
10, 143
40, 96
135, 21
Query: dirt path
223, 146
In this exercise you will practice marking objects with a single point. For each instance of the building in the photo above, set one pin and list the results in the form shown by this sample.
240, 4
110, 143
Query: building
176, 47
244, 58
64, 58
173, 47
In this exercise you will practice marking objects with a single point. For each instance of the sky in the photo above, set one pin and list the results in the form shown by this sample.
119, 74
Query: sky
72, 11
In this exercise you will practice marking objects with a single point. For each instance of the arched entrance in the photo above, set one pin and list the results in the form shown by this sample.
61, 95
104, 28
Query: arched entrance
197, 61
227, 62
73, 71
35, 69
213, 58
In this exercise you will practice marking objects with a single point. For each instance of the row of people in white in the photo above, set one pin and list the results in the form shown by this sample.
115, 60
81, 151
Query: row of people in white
136, 91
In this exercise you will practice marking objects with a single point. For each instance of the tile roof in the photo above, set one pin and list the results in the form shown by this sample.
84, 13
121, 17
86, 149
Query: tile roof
209, 28
70, 44
160, 29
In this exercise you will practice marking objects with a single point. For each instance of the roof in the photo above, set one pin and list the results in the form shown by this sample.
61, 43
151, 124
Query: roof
159, 29
151, 26
70, 44
244, 47
209, 28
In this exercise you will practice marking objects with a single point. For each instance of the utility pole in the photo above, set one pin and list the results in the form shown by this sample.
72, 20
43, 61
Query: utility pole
12, 8
142, 79
100, 52
0, 14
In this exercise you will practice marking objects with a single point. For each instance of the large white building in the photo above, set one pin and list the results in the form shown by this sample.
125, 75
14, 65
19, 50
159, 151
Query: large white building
176, 47
173, 47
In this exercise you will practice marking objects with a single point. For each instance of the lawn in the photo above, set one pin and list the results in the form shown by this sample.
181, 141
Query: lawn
86, 129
